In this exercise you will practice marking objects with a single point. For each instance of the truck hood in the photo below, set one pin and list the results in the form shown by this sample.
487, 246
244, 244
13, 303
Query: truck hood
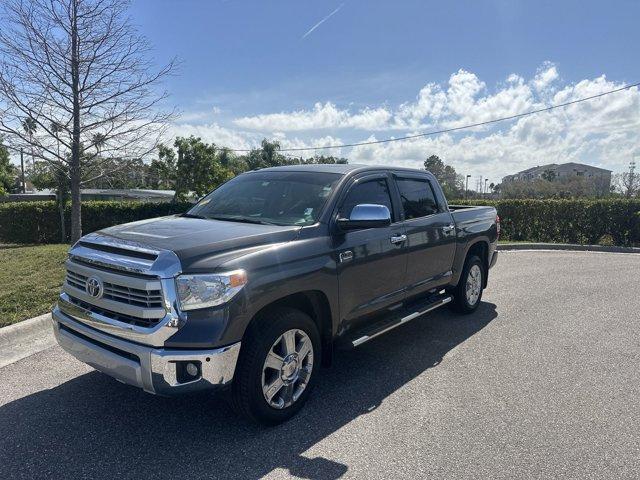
202, 244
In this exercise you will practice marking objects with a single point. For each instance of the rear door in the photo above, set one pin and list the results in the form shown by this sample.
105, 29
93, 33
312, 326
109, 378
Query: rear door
430, 230
371, 262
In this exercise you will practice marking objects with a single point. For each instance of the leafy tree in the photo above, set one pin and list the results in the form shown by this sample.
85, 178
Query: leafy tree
198, 168
7, 171
268, 155
549, 175
161, 173
452, 184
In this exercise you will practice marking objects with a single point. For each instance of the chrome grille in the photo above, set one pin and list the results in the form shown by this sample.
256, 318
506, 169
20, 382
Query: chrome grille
140, 322
135, 299
76, 280
120, 293
133, 296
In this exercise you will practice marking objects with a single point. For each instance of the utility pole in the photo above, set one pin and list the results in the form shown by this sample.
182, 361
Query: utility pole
466, 187
24, 189
485, 185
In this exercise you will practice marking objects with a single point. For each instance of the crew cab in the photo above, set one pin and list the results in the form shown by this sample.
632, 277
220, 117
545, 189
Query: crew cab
254, 288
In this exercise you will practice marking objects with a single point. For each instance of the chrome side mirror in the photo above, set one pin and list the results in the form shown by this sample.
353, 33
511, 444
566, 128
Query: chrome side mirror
366, 215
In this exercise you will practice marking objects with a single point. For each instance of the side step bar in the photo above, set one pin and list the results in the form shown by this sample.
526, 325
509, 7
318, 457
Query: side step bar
394, 322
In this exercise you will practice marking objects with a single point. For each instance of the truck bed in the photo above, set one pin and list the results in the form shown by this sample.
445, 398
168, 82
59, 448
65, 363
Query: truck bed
466, 214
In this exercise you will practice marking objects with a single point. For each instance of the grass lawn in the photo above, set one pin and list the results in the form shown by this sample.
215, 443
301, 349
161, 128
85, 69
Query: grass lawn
30, 280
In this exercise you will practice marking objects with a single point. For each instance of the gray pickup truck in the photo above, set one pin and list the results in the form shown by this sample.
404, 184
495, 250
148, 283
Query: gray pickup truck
254, 288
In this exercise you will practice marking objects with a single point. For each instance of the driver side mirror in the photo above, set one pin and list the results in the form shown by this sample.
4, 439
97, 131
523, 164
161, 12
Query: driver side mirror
366, 215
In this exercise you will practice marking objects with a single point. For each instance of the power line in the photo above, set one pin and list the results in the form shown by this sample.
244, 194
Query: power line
453, 129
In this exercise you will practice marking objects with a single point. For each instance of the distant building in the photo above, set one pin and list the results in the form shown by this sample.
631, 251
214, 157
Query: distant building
140, 195
561, 172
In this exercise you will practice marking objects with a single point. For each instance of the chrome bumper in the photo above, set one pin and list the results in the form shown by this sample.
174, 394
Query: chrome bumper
156, 370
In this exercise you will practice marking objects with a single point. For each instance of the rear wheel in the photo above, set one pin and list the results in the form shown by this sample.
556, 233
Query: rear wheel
277, 366
468, 293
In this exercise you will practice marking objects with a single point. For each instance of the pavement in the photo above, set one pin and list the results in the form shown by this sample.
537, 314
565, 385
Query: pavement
541, 382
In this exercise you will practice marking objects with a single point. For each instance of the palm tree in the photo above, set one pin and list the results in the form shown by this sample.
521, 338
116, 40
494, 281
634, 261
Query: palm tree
30, 126
98, 140
56, 128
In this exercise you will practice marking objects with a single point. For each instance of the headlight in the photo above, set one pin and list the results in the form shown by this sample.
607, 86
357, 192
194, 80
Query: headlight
209, 290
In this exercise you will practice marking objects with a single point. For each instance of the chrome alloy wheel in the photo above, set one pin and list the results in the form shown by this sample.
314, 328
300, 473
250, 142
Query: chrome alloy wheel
287, 368
473, 286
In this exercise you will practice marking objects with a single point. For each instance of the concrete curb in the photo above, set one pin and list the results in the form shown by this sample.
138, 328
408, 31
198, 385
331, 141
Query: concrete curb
566, 246
25, 338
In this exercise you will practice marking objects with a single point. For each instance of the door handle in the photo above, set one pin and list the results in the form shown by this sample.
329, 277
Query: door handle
447, 229
398, 239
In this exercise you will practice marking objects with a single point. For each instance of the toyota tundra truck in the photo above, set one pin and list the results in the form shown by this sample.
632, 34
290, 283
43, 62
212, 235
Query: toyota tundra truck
254, 288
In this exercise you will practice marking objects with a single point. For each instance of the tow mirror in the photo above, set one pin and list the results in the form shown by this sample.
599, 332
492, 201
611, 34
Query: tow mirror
366, 215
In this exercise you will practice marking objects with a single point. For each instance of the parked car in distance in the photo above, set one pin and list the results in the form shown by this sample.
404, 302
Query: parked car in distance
255, 287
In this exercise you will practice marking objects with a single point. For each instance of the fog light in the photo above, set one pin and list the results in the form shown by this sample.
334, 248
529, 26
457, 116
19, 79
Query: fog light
192, 369
188, 371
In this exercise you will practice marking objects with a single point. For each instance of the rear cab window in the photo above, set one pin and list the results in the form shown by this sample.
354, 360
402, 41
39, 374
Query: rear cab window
417, 197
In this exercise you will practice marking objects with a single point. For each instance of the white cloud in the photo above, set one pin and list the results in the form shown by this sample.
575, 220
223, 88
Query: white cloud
459, 103
214, 133
604, 132
322, 116
546, 75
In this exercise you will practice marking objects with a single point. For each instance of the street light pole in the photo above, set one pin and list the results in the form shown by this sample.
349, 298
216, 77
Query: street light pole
24, 189
466, 187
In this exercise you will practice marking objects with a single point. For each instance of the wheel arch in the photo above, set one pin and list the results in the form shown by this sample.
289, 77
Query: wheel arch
314, 303
481, 249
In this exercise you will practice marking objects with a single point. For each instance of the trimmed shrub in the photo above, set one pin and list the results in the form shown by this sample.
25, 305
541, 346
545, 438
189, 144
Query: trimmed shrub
39, 222
579, 221
559, 221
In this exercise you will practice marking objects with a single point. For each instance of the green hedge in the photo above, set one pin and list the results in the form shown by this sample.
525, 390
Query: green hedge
39, 222
563, 221
614, 221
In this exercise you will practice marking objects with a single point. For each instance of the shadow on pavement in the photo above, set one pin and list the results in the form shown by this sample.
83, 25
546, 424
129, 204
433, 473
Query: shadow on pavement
95, 427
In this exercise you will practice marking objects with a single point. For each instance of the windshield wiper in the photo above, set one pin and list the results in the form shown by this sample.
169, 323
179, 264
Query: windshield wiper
242, 220
193, 215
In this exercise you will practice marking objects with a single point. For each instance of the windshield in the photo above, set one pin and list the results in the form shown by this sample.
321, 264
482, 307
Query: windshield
280, 198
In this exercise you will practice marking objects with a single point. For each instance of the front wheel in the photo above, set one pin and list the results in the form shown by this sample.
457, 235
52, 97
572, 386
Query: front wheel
277, 366
468, 293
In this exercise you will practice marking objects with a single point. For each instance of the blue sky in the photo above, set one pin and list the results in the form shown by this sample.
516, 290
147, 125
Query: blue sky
248, 71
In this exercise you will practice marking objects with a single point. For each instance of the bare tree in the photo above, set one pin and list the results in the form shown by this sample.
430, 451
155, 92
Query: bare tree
81, 66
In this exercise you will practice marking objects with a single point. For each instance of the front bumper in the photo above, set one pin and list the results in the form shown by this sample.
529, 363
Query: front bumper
156, 370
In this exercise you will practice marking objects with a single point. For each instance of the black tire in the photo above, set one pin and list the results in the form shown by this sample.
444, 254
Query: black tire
246, 390
461, 303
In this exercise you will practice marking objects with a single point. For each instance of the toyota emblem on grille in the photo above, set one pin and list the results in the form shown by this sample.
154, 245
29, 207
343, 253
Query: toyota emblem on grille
94, 287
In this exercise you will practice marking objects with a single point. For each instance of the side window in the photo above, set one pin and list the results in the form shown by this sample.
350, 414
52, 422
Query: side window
372, 191
417, 197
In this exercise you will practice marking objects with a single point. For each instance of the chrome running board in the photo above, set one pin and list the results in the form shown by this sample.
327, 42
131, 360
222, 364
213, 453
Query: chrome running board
398, 319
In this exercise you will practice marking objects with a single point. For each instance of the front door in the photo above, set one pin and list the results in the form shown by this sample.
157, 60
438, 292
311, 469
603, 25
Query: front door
371, 262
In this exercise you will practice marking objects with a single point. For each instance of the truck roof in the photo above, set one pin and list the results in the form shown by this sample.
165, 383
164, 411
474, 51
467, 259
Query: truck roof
342, 169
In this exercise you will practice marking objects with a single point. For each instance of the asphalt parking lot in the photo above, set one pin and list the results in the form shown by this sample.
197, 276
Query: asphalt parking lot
543, 381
